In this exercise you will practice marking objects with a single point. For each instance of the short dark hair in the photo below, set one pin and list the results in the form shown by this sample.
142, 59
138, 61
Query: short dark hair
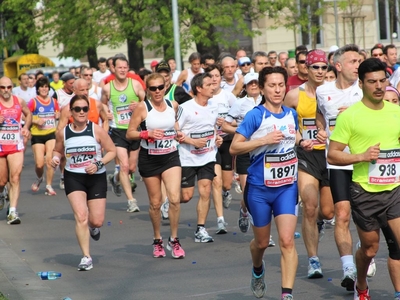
22, 74
300, 48
40, 72
342, 50
76, 98
370, 65
333, 69
213, 67
272, 52
119, 58
300, 53
377, 46
42, 81
144, 72
194, 56
206, 56
102, 60
387, 47
197, 81
110, 61
257, 54
330, 55
55, 72
270, 70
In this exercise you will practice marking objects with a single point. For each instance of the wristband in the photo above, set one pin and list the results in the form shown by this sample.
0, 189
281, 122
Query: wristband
301, 142
144, 135
99, 164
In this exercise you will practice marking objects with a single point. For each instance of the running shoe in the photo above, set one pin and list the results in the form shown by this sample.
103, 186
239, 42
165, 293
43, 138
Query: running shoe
287, 297
397, 296
116, 188
35, 186
158, 248
236, 183
349, 276
226, 199
314, 268
13, 219
257, 284
50, 191
94, 233
361, 295
202, 236
175, 248
164, 209
86, 264
271, 242
132, 206
62, 183
243, 221
331, 222
221, 227
372, 265
321, 230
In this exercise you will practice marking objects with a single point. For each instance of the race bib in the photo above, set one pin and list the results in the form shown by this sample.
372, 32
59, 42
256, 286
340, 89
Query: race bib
310, 131
165, 145
80, 157
209, 135
123, 114
280, 169
49, 120
9, 135
331, 125
386, 169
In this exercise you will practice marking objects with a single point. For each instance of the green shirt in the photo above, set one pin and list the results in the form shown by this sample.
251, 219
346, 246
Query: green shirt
360, 127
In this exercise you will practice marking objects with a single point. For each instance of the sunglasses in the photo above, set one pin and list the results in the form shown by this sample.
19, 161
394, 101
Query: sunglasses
303, 61
245, 64
273, 57
90, 75
155, 88
319, 67
377, 55
8, 87
78, 109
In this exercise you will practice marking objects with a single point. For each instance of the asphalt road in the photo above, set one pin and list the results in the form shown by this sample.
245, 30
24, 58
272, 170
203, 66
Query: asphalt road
123, 264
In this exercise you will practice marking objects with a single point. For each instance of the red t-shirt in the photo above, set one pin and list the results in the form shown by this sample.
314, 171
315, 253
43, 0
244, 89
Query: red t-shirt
129, 75
294, 82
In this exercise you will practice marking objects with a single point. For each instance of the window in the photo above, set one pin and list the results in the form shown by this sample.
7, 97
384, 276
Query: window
388, 13
314, 24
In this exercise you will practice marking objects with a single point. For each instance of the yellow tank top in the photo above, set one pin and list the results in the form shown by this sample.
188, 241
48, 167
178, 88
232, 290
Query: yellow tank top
306, 111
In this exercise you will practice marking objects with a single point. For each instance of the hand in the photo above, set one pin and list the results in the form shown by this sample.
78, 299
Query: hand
372, 153
25, 132
322, 136
342, 109
57, 115
91, 169
273, 137
156, 134
218, 141
2, 118
307, 145
133, 105
40, 122
200, 143
55, 161
180, 136
220, 121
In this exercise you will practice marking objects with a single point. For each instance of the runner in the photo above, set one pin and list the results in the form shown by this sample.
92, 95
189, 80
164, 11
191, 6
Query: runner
45, 112
159, 159
371, 129
187, 75
11, 144
269, 132
313, 175
85, 174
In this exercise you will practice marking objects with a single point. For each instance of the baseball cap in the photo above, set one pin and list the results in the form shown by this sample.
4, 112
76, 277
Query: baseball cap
244, 60
249, 77
163, 66
333, 48
153, 63
67, 76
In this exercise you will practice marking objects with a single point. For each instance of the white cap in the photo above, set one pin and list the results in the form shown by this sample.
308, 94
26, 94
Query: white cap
250, 76
333, 48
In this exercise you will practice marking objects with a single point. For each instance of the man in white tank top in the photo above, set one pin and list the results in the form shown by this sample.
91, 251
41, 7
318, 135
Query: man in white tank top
186, 76
229, 75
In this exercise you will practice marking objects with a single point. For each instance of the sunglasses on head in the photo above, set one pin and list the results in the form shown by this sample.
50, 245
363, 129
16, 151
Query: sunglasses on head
78, 109
155, 88
4, 87
319, 67
303, 61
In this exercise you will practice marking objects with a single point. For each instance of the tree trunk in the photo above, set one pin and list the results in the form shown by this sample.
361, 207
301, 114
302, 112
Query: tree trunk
135, 54
213, 49
92, 57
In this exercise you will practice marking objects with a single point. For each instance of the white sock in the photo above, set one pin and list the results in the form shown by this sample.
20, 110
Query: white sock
347, 261
12, 210
221, 219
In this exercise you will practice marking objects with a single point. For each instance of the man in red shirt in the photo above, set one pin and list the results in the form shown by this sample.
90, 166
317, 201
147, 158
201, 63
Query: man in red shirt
302, 75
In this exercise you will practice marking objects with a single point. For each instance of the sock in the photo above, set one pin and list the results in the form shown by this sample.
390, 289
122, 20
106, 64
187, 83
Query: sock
116, 169
286, 291
397, 294
361, 291
243, 213
12, 210
313, 258
221, 219
258, 270
198, 227
347, 261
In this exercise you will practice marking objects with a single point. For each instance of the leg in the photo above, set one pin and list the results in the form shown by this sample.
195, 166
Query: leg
217, 190
153, 185
122, 155
4, 175
49, 152
393, 261
203, 206
15, 162
326, 203
38, 155
97, 210
343, 237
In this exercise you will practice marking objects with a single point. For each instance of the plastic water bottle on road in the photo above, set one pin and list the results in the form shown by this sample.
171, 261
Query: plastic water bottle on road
48, 275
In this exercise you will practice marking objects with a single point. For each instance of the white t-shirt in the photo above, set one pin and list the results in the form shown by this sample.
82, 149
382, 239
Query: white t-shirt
175, 76
229, 87
98, 76
240, 108
222, 102
197, 121
24, 95
329, 99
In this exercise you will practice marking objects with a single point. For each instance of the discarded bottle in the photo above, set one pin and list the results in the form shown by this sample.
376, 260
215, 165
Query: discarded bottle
49, 275
297, 235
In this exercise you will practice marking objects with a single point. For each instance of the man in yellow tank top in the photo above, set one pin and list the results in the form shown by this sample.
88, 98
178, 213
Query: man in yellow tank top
313, 174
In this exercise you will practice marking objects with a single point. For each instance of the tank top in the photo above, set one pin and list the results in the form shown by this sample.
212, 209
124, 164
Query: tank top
47, 112
10, 130
186, 85
171, 93
230, 87
119, 105
93, 114
306, 111
63, 98
81, 149
160, 120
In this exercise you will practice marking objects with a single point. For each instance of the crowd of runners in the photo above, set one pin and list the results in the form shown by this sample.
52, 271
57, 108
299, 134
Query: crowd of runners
318, 132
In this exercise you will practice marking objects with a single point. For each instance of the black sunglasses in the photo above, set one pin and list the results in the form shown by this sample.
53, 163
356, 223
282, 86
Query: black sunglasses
319, 67
245, 64
301, 62
78, 109
155, 88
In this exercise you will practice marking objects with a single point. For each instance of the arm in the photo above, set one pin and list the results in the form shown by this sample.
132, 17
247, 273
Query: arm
228, 127
103, 115
64, 116
337, 157
292, 98
139, 114
320, 121
58, 151
241, 146
138, 90
106, 143
28, 118
105, 95
182, 78
238, 87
